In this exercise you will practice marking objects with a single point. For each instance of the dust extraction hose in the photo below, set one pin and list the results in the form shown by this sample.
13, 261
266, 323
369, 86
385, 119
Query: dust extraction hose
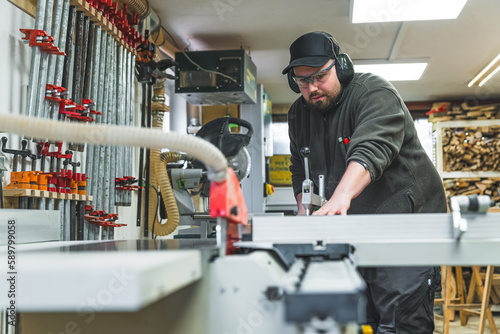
103, 134
169, 201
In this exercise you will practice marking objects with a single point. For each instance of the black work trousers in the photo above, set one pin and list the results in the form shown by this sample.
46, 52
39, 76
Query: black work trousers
401, 299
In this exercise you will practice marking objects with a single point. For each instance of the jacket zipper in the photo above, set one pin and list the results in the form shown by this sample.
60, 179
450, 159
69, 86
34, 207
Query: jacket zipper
326, 144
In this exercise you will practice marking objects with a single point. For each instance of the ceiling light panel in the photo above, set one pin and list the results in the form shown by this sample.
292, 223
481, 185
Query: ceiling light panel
370, 11
394, 72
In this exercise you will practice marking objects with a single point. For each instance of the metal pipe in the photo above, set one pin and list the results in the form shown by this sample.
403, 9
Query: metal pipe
97, 168
51, 203
56, 33
141, 157
61, 59
69, 50
80, 218
59, 22
58, 81
112, 121
89, 78
81, 82
131, 114
59, 205
104, 152
94, 87
119, 101
1, 190
126, 109
128, 102
78, 59
108, 160
89, 57
124, 163
91, 160
148, 161
68, 210
114, 118
42, 77
76, 96
35, 62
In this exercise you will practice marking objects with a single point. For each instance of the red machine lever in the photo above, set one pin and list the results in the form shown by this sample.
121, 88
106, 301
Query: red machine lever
226, 200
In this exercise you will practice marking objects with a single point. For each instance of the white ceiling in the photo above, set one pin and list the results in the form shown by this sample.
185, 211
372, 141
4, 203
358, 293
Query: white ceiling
457, 49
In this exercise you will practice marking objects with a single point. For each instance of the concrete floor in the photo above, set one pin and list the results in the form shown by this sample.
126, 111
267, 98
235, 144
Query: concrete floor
471, 327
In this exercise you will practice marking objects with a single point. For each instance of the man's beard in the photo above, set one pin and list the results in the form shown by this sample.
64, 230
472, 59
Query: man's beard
325, 105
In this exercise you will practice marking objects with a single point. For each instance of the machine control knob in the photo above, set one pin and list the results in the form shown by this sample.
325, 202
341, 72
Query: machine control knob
234, 210
305, 151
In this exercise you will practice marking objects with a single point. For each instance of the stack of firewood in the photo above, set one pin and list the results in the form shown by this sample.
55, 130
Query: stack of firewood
445, 111
473, 186
472, 149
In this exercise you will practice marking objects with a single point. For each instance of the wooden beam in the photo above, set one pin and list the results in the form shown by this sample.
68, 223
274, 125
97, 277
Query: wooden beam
27, 6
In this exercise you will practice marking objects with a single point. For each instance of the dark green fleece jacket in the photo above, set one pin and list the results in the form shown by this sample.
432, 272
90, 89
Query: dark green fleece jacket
370, 125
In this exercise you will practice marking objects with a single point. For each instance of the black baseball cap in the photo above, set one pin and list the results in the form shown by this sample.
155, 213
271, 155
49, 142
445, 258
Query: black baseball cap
313, 49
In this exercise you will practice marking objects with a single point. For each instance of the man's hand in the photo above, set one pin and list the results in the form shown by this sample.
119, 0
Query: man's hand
337, 205
353, 182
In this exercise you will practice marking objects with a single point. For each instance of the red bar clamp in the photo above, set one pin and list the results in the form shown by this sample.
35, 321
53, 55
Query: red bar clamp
54, 93
65, 107
41, 39
87, 103
134, 20
53, 153
102, 218
110, 224
125, 183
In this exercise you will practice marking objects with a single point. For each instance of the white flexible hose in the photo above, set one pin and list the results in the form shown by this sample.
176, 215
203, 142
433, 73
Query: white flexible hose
102, 134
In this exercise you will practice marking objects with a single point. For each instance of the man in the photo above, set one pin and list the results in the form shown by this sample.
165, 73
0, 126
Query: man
362, 139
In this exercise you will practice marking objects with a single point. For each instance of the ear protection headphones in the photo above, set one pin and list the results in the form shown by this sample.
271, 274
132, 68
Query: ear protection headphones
343, 66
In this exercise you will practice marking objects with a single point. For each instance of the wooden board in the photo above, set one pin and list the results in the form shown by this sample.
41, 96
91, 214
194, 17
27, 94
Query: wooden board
27, 6
14, 194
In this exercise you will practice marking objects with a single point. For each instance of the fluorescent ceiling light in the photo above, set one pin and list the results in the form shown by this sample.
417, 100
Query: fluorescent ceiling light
484, 71
489, 76
394, 72
369, 11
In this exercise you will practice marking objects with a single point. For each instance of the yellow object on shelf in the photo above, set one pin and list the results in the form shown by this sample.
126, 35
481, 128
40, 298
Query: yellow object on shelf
279, 172
366, 329
269, 189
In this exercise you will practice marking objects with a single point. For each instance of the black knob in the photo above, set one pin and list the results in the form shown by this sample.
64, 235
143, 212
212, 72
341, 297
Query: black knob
305, 151
234, 210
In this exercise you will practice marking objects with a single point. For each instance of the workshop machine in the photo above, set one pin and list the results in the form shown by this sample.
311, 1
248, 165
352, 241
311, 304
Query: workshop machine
216, 77
189, 178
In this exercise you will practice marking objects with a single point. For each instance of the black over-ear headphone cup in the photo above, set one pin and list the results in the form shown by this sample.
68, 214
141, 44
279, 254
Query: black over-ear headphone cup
345, 69
293, 85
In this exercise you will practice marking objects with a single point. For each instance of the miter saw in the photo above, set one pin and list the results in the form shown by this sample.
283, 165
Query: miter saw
189, 179
232, 145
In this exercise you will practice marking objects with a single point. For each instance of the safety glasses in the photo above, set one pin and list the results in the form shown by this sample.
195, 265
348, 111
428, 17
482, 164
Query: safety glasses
316, 78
